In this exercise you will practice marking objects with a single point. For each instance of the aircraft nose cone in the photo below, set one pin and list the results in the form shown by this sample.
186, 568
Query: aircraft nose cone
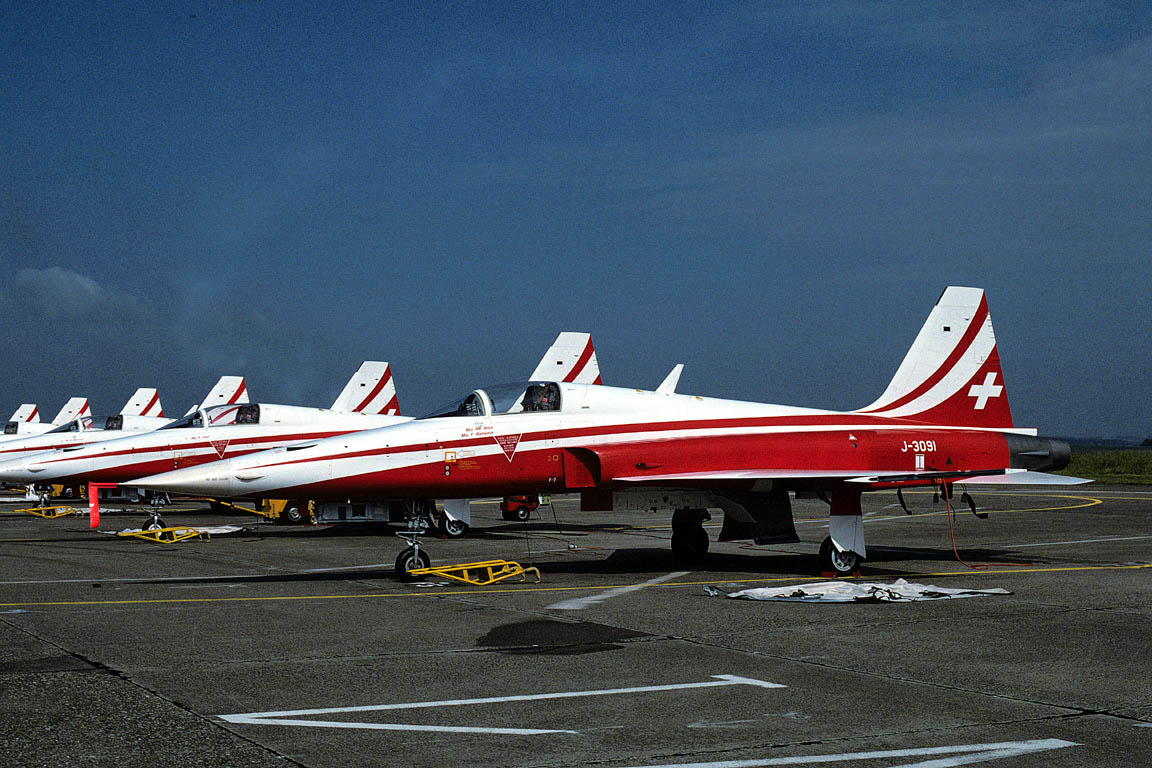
193, 481
16, 471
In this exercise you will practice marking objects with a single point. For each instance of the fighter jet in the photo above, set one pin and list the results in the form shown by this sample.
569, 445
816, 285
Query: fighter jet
221, 430
143, 412
944, 419
225, 424
18, 428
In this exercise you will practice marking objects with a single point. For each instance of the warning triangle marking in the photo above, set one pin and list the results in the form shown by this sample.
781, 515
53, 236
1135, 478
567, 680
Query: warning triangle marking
508, 443
220, 446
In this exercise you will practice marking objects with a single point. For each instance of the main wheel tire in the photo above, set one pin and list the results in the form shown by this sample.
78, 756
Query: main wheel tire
689, 545
295, 513
453, 529
840, 562
411, 560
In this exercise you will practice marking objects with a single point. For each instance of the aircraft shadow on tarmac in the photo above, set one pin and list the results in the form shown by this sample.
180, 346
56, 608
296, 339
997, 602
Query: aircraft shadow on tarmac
641, 562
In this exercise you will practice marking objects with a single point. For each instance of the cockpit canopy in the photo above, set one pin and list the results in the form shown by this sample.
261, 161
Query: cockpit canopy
504, 398
81, 424
12, 428
218, 415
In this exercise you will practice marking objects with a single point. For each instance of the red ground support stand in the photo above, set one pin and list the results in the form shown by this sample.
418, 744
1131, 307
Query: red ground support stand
94, 502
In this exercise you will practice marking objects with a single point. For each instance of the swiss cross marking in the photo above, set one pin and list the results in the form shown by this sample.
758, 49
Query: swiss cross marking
986, 390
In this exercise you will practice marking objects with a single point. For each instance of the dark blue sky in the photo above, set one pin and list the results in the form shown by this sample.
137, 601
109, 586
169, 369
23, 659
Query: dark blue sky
773, 194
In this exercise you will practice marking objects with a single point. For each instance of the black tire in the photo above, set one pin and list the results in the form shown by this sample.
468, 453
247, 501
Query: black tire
410, 560
294, 513
522, 513
833, 560
453, 529
154, 524
689, 545
509, 515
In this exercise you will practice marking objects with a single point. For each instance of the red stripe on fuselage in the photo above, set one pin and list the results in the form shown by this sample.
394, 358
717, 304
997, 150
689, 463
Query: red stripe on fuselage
832, 421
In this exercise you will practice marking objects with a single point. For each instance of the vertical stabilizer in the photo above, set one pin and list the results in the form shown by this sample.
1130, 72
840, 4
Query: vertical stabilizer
27, 413
229, 390
952, 374
75, 408
370, 390
571, 358
145, 402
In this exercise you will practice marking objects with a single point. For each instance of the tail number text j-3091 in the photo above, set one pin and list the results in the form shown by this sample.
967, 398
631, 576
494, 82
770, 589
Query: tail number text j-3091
919, 446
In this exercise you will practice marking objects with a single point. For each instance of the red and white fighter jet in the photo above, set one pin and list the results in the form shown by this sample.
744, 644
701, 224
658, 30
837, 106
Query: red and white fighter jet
25, 423
944, 419
226, 424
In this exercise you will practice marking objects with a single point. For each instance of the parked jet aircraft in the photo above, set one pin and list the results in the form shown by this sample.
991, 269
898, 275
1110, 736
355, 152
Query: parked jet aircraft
18, 428
226, 424
226, 430
943, 419
142, 413
27, 412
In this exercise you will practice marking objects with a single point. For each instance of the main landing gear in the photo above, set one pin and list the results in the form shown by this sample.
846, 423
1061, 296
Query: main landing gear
689, 539
842, 562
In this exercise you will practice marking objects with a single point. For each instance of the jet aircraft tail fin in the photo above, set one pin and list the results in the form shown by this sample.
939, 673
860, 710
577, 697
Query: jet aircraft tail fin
27, 413
228, 391
952, 374
144, 402
370, 390
571, 358
75, 408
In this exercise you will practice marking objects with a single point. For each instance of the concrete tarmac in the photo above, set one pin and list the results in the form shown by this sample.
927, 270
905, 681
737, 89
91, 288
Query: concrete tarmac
298, 646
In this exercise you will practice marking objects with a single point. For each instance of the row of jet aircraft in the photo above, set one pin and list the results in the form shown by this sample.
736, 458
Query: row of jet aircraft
943, 420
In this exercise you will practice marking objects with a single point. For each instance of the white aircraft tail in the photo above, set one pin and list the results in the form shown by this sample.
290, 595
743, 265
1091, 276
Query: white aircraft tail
370, 390
27, 413
952, 374
145, 402
75, 408
228, 390
571, 358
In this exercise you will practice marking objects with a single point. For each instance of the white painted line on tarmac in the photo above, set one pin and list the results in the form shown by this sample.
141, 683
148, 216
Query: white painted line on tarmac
580, 603
1080, 541
961, 754
290, 717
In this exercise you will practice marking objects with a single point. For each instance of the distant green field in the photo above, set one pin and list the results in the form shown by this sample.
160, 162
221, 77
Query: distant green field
1126, 467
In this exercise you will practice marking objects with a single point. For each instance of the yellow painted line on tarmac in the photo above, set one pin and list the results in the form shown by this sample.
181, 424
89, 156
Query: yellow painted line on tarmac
453, 592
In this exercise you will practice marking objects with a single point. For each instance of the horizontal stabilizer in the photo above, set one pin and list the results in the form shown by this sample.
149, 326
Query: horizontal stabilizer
73, 409
27, 413
370, 390
571, 358
145, 402
1027, 478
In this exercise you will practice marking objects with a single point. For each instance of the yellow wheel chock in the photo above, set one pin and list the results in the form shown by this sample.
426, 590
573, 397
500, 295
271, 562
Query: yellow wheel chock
168, 535
479, 574
50, 513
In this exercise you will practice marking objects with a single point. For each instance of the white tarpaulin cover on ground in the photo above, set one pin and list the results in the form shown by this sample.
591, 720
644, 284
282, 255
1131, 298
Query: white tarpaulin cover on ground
860, 592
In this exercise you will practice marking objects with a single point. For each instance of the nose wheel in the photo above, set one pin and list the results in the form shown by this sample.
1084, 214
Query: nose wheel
411, 559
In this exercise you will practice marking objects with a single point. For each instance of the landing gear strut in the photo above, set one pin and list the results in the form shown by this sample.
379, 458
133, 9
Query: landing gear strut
689, 539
